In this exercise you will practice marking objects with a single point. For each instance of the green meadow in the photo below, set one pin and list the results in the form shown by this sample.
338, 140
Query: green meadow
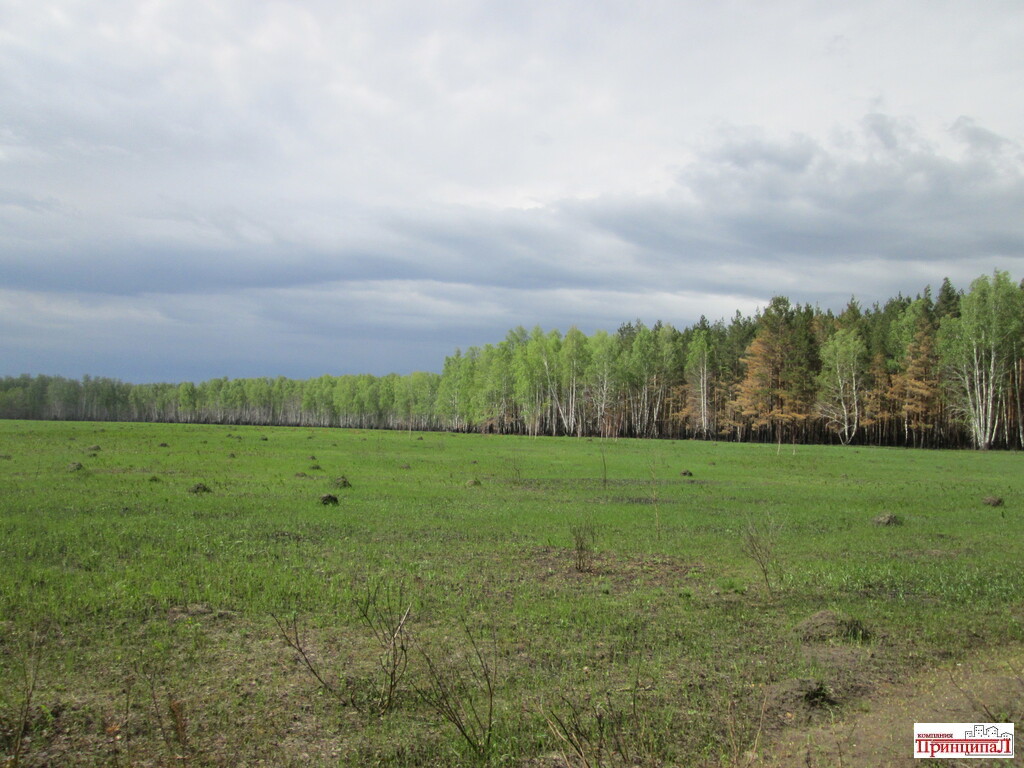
191, 594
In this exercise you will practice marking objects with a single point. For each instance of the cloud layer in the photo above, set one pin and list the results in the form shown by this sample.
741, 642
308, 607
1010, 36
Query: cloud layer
259, 188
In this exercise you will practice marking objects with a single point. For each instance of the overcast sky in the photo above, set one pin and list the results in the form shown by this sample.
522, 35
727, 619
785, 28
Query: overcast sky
191, 189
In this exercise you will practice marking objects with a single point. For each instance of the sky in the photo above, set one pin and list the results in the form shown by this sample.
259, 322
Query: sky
192, 189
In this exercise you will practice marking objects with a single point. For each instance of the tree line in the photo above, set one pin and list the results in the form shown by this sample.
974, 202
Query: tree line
930, 371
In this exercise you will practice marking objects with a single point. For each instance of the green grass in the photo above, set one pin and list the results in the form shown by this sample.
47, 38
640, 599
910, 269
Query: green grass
141, 592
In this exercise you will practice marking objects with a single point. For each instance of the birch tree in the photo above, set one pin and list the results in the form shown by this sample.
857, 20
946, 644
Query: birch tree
978, 350
698, 382
841, 383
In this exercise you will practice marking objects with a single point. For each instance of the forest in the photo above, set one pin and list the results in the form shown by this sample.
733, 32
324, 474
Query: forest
942, 371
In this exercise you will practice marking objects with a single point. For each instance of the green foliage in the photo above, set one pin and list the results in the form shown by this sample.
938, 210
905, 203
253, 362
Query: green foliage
790, 373
980, 350
842, 382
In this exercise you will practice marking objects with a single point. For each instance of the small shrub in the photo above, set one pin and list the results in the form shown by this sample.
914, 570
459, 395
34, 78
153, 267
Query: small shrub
760, 542
463, 689
584, 537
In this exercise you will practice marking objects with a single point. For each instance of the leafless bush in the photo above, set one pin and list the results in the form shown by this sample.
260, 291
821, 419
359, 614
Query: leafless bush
608, 731
169, 712
584, 537
462, 690
383, 610
289, 629
760, 542
30, 656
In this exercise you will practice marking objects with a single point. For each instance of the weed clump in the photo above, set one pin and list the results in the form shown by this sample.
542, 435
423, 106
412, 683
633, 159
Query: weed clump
796, 701
993, 501
829, 626
200, 488
329, 499
887, 520
584, 537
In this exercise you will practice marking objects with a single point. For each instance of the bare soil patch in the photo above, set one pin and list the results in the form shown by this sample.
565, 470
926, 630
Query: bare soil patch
986, 685
557, 564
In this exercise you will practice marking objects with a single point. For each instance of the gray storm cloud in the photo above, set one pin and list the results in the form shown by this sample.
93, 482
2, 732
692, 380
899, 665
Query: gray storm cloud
195, 189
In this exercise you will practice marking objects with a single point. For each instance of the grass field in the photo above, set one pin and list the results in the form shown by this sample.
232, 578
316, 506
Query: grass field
475, 599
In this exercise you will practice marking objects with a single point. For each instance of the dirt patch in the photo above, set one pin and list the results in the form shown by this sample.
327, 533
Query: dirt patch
829, 626
557, 565
196, 611
796, 702
986, 686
